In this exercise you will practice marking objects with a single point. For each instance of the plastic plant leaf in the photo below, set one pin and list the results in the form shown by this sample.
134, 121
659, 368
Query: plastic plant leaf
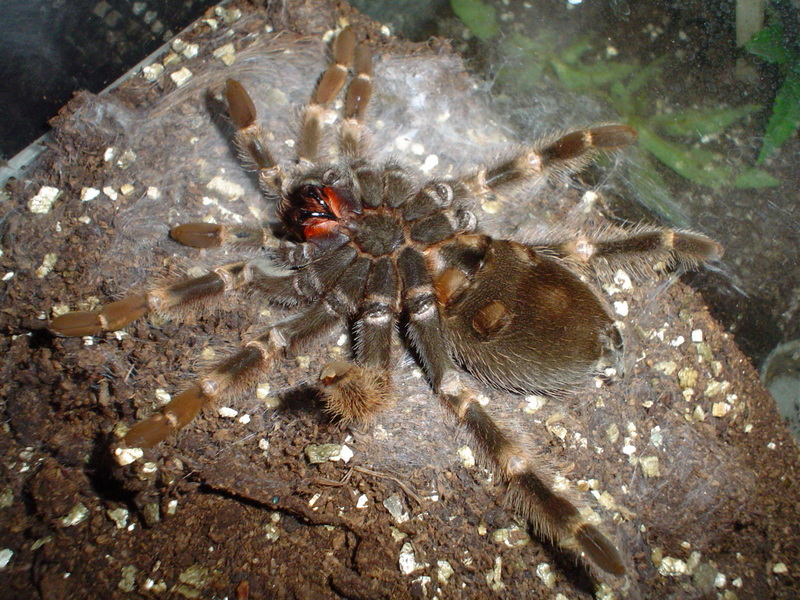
479, 17
694, 164
589, 76
541, 45
755, 178
572, 54
652, 192
621, 99
768, 44
642, 76
519, 77
703, 121
785, 117
525, 64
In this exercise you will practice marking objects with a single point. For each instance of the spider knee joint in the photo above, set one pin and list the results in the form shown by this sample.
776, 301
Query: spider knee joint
422, 305
209, 387
534, 161
263, 350
171, 418
516, 465
380, 315
451, 384
334, 371
277, 338
441, 194
584, 249
466, 221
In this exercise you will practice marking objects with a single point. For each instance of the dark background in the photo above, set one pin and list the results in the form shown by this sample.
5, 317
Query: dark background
51, 48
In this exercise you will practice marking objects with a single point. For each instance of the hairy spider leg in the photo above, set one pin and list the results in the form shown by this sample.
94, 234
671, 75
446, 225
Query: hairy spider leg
254, 151
173, 298
284, 286
238, 371
251, 139
642, 248
334, 298
551, 514
359, 92
357, 392
560, 156
328, 88
214, 235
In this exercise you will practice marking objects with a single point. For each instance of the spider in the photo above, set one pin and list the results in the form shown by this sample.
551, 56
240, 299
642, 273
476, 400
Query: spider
369, 245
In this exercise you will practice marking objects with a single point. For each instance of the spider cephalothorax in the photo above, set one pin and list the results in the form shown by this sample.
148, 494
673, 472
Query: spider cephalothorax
370, 246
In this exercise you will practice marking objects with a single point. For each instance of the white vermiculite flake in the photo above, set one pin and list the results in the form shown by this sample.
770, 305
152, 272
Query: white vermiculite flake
43, 201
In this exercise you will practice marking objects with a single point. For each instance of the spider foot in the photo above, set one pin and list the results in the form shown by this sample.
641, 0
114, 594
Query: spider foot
250, 136
180, 411
353, 393
212, 235
111, 317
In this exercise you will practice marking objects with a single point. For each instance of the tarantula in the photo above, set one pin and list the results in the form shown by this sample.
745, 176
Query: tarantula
368, 245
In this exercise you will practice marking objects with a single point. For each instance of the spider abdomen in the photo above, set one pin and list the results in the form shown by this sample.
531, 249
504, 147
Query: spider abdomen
523, 322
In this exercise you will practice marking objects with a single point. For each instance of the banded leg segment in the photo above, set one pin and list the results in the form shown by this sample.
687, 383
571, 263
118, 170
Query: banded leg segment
251, 139
551, 514
168, 299
213, 235
567, 154
328, 87
424, 323
237, 372
376, 322
285, 286
256, 357
357, 392
359, 92
640, 248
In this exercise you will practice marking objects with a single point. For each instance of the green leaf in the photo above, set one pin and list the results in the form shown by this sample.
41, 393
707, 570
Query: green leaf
785, 117
541, 45
480, 18
702, 121
572, 54
755, 178
523, 65
621, 99
768, 44
695, 164
516, 42
589, 77
644, 75
652, 192
519, 76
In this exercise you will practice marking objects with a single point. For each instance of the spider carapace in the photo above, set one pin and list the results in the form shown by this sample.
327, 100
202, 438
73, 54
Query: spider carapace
369, 245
